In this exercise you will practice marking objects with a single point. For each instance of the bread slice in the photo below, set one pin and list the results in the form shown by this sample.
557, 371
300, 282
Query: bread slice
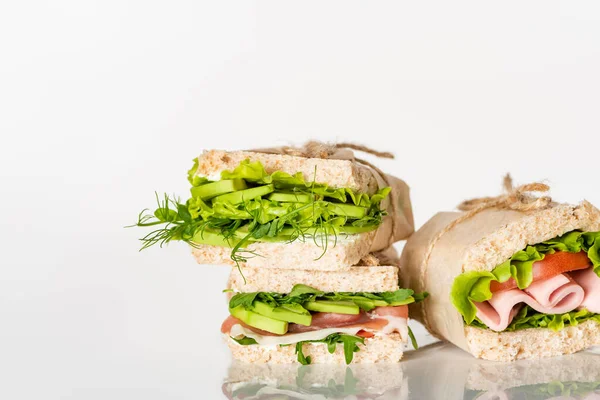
531, 343
306, 255
481, 243
372, 279
335, 173
380, 348
382, 380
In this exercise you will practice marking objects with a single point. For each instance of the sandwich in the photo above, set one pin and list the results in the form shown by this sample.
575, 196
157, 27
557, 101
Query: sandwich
315, 382
456, 376
515, 277
273, 208
318, 317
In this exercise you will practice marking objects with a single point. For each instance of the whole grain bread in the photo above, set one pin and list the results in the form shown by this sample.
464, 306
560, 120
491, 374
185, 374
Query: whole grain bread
355, 279
381, 348
339, 255
480, 244
531, 343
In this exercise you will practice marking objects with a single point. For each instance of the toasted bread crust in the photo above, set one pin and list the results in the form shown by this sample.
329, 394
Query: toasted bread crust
531, 343
356, 279
384, 348
335, 173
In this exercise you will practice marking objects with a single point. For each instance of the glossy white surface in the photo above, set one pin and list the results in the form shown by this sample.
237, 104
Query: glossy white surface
104, 102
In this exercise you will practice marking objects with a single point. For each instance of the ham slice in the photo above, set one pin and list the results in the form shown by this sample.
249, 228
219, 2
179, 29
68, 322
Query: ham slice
590, 282
556, 295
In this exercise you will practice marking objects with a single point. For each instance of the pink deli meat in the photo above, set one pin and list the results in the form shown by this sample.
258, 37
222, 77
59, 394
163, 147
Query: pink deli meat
556, 295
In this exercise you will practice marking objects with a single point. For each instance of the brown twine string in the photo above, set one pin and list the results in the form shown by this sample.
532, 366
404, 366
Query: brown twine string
316, 149
518, 199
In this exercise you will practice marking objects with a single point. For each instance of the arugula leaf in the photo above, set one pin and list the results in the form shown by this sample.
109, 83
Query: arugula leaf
413, 339
474, 286
349, 342
243, 299
245, 341
302, 294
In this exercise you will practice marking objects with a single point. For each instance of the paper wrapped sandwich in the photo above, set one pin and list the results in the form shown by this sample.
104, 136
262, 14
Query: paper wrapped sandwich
315, 382
315, 207
443, 372
512, 277
288, 316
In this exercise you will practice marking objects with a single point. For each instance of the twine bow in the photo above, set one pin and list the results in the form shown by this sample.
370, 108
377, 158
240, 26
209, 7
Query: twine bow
316, 149
520, 198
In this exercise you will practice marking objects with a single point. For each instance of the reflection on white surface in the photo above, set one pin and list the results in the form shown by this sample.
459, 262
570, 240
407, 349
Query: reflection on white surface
442, 371
315, 382
438, 371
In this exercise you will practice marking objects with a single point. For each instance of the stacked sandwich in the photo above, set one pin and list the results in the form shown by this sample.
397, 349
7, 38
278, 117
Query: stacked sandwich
308, 232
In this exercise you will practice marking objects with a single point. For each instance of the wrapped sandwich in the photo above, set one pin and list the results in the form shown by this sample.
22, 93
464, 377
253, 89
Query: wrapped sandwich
316, 207
288, 316
512, 277
456, 376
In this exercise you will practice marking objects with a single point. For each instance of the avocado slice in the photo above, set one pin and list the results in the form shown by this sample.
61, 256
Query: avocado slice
259, 321
210, 190
244, 195
291, 197
347, 210
282, 313
338, 307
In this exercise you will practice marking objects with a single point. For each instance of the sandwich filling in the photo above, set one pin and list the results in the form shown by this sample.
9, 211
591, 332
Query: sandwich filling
552, 285
249, 205
307, 315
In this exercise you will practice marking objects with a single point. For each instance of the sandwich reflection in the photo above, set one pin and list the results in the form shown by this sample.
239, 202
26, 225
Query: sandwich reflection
315, 382
442, 371
438, 371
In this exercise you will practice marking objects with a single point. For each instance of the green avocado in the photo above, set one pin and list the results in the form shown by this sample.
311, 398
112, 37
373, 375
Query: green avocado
259, 321
210, 190
244, 195
291, 197
347, 210
282, 313
338, 307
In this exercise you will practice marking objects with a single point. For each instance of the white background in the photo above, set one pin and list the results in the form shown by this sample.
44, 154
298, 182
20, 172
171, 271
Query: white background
104, 102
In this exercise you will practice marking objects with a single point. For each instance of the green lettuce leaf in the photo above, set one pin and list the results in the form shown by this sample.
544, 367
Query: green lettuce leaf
474, 286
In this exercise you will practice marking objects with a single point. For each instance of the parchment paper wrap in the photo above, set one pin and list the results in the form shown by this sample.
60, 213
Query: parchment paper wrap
399, 223
481, 242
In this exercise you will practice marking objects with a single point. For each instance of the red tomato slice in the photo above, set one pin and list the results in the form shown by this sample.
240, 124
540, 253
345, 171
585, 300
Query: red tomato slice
552, 265
365, 334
